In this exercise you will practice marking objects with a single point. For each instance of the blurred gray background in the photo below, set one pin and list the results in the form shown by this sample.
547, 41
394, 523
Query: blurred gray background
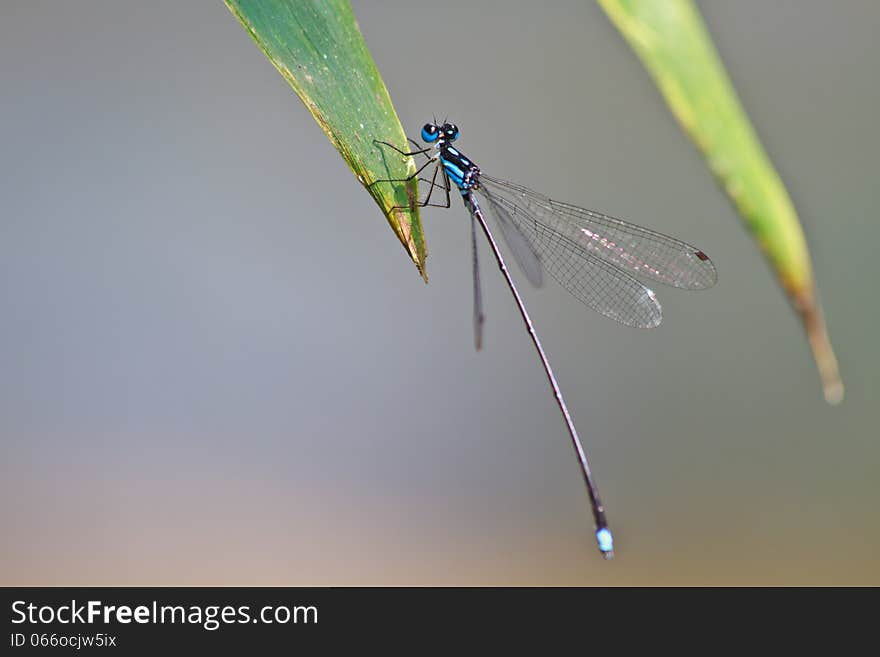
218, 366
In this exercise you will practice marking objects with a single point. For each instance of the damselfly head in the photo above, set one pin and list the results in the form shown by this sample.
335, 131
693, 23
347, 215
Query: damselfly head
431, 132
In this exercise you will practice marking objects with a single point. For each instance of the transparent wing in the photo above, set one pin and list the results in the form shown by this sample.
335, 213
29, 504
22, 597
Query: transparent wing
637, 250
479, 318
593, 281
520, 246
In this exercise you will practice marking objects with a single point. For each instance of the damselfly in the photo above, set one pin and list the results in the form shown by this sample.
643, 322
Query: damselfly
593, 256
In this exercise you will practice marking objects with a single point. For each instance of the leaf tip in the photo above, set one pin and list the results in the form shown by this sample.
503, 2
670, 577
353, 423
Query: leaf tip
834, 392
823, 352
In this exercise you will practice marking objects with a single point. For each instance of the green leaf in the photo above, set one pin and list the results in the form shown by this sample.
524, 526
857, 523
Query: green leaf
318, 48
672, 42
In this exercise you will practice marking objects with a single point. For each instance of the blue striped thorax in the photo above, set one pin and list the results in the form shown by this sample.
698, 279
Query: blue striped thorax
464, 173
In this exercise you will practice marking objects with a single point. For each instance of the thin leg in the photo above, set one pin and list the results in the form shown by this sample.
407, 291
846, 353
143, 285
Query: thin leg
426, 202
422, 151
433, 181
603, 534
418, 146
446, 187
407, 179
433, 185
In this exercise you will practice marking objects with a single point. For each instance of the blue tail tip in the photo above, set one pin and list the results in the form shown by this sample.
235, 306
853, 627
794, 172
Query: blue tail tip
606, 542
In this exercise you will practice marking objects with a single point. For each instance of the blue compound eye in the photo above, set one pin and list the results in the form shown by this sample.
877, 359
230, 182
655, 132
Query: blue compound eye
429, 133
450, 130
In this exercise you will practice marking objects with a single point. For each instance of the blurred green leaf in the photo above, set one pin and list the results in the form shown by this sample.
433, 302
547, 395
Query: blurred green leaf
318, 48
672, 42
